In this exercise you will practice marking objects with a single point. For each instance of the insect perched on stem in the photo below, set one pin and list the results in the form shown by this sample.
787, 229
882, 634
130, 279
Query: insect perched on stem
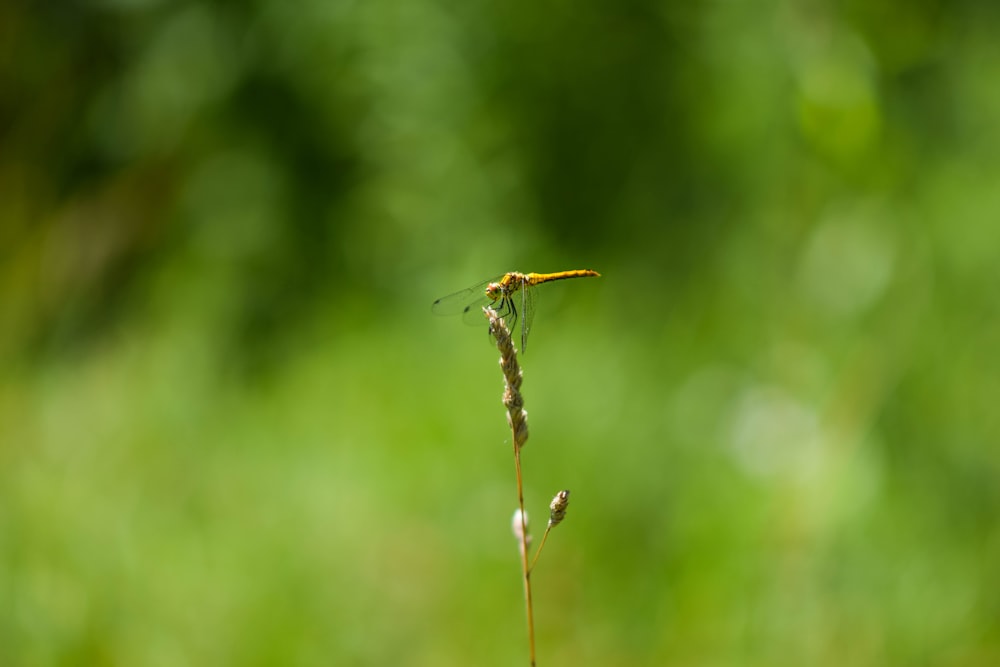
511, 295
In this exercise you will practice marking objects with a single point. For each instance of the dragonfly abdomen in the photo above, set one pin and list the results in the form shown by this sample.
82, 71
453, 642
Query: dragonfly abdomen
538, 278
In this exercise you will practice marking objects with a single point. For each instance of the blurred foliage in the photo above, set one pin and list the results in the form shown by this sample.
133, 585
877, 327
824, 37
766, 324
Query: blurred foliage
231, 432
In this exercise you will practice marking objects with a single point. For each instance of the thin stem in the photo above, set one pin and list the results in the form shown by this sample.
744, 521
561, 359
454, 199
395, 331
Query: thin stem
541, 546
517, 419
525, 569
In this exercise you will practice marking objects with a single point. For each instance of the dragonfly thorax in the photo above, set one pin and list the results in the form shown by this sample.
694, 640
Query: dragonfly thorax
506, 286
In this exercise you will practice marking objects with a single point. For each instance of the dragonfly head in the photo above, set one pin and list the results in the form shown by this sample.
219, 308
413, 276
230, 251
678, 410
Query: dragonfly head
494, 291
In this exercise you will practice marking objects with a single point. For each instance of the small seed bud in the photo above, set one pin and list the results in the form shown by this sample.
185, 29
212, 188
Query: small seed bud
558, 507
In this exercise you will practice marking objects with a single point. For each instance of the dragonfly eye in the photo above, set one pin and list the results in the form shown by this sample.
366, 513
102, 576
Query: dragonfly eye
493, 291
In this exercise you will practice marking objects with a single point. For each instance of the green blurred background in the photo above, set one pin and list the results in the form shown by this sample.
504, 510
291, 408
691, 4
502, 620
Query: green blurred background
231, 431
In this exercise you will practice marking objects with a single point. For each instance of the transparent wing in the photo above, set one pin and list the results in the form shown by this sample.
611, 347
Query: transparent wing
468, 303
459, 302
527, 313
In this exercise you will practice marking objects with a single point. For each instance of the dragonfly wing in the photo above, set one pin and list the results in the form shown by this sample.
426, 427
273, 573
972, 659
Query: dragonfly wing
527, 314
461, 302
473, 313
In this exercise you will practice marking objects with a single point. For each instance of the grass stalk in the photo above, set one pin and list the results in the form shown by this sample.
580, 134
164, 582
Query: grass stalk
517, 419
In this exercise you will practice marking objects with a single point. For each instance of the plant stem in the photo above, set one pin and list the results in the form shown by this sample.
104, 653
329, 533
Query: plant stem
525, 569
541, 546
517, 419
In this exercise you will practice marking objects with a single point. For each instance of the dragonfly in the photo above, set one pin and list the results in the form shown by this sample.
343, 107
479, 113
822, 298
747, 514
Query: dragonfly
511, 295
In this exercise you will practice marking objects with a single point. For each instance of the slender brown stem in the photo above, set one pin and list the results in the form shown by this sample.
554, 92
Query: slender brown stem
517, 418
541, 546
525, 569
